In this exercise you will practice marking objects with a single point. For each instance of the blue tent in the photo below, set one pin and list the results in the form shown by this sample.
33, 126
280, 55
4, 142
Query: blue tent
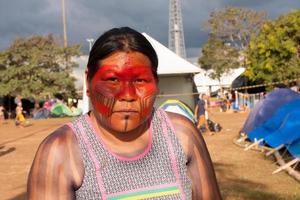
288, 131
268, 106
294, 148
274, 123
249, 123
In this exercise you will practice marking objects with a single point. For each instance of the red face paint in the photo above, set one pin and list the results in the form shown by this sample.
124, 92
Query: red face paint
123, 94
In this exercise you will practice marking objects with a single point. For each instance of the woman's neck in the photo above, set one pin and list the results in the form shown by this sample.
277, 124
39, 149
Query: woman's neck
128, 144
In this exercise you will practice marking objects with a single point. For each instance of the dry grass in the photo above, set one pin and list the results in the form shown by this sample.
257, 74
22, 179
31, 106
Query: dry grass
246, 174
241, 175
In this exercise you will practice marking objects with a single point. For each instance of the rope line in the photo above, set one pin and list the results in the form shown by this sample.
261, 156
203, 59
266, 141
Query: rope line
236, 88
266, 84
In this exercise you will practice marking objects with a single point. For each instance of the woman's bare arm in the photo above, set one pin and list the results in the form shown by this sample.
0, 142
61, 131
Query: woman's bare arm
57, 169
199, 167
196, 112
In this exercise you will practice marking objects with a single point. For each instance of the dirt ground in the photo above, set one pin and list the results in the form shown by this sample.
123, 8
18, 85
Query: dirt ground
241, 174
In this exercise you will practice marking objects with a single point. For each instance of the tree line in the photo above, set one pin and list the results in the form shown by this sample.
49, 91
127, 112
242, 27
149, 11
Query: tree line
239, 37
39, 66
36, 67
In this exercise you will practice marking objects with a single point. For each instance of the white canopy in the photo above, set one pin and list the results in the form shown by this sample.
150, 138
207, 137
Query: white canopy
169, 62
204, 82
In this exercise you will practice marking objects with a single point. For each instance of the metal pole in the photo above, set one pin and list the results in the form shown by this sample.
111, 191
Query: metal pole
85, 99
90, 41
64, 23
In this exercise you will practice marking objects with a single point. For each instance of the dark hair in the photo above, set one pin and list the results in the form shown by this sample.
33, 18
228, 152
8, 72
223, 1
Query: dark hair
120, 39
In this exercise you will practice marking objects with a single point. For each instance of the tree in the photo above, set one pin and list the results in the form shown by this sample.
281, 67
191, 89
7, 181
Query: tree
274, 55
218, 57
37, 66
235, 25
230, 31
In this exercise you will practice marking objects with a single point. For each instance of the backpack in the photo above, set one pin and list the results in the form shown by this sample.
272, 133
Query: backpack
213, 127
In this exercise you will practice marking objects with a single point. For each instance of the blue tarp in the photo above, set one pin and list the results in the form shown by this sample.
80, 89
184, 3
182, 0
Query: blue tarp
249, 123
274, 123
288, 131
268, 106
283, 127
294, 148
43, 113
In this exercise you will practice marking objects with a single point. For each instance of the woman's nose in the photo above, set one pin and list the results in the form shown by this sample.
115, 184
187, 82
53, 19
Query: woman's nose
128, 92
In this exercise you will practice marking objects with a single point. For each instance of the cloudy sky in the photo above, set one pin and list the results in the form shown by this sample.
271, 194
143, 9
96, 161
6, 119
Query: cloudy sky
90, 18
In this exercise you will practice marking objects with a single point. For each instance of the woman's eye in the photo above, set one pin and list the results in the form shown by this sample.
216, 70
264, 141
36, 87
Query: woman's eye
112, 79
140, 80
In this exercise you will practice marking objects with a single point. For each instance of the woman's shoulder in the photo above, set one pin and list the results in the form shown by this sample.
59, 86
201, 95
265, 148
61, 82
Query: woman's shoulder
59, 142
185, 130
178, 119
181, 124
60, 133
58, 156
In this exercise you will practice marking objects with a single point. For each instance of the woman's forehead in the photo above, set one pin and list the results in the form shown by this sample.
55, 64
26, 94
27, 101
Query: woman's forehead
122, 59
125, 70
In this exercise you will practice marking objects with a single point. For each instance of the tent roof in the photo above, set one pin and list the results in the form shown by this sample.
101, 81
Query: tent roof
169, 62
202, 79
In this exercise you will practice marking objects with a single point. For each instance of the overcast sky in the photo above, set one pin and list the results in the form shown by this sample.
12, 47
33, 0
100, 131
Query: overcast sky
90, 18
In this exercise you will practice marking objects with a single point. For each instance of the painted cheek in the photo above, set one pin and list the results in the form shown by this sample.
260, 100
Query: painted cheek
103, 97
147, 96
147, 90
101, 108
151, 89
100, 103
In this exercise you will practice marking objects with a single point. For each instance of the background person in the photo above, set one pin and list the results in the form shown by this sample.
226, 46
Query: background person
20, 119
2, 118
123, 147
201, 113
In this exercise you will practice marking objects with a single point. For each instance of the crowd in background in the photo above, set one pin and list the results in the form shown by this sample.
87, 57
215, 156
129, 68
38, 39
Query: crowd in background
20, 109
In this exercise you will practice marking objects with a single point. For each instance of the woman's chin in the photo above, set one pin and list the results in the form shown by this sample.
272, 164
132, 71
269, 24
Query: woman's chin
123, 122
125, 126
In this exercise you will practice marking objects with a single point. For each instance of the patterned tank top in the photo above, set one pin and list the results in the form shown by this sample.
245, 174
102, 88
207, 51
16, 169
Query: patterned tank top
158, 173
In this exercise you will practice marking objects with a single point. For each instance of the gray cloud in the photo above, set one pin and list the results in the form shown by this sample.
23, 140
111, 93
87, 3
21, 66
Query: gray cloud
88, 19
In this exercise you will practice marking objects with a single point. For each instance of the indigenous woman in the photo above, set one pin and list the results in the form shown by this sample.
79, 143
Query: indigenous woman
123, 148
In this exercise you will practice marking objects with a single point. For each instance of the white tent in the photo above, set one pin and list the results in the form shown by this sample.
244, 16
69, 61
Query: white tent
175, 75
169, 62
205, 84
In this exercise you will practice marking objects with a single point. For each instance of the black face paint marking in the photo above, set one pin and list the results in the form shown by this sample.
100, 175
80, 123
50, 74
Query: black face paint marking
126, 122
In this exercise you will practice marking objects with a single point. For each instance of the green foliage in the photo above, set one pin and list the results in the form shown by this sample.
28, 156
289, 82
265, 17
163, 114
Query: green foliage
37, 66
230, 32
235, 25
274, 55
219, 57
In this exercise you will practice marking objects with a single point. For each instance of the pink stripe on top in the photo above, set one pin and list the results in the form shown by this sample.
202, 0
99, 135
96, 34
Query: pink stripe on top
123, 158
94, 159
171, 150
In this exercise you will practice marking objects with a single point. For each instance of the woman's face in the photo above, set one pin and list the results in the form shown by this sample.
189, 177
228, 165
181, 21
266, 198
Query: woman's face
123, 91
